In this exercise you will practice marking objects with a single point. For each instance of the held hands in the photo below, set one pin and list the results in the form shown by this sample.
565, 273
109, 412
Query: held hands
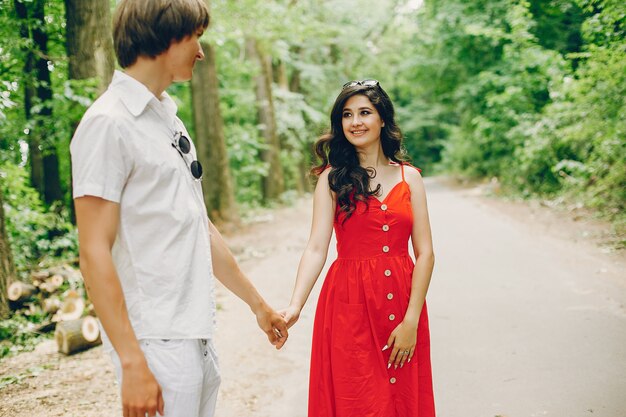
402, 339
291, 315
141, 393
273, 324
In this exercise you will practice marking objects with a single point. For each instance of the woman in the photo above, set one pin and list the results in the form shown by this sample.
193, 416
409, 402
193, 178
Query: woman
371, 347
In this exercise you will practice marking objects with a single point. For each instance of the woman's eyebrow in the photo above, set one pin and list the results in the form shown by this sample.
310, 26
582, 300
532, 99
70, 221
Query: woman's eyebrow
360, 108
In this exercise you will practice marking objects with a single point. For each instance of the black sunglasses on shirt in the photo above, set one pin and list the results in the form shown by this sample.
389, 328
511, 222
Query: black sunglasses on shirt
183, 146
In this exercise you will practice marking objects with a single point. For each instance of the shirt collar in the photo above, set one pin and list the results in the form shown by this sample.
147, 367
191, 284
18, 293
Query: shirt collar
136, 95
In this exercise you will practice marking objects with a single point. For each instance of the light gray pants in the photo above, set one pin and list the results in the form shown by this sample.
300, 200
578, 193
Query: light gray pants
187, 371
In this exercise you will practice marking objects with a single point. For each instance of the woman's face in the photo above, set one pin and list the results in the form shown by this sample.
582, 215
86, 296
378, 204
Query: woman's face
361, 122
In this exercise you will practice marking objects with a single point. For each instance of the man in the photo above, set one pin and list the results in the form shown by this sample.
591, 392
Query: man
148, 251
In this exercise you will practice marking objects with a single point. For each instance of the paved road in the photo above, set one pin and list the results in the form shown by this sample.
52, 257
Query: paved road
523, 324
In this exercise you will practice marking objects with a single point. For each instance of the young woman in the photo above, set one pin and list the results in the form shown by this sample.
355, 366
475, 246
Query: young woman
371, 347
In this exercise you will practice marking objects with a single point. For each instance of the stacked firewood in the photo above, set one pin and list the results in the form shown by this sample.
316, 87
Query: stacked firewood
56, 296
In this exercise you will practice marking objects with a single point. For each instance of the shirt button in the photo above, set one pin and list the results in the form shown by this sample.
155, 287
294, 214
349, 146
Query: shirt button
385, 228
387, 272
392, 380
389, 296
383, 207
392, 317
204, 342
385, 249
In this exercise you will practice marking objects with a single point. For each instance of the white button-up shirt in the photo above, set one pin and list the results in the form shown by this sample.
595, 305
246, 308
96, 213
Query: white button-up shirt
122, 151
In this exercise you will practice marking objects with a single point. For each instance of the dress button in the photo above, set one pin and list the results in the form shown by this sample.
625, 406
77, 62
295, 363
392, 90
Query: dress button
389, 296
392, 380
387, 272
392, 317
206, 353
385, 249
385, 228
383, 207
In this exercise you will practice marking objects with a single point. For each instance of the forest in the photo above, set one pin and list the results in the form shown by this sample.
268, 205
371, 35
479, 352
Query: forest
531, 94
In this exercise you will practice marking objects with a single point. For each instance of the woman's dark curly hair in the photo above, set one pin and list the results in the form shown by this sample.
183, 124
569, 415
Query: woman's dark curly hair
347, 178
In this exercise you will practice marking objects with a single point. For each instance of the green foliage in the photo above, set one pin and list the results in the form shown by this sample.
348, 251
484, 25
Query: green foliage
17, 334
36, 235
529, 92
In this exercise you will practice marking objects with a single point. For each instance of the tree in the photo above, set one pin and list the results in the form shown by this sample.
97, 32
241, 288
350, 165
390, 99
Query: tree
44, 161
89, 42
89, 47
7, 269
273, 182
219, 195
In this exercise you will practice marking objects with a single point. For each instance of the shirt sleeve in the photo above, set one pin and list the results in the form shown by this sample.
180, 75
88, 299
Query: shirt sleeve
100, 159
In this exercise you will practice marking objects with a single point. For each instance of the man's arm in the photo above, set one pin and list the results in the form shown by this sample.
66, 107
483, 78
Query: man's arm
227, 271
98, 221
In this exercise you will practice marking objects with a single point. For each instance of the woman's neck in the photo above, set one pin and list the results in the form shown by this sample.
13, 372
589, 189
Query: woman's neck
372, 157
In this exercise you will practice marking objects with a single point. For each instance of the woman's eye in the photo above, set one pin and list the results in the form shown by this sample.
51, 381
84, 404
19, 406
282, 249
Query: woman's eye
346, 115
365, 112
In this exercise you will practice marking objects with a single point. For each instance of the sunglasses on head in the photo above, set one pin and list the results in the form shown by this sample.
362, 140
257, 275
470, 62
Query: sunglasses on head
366, 83
183, 146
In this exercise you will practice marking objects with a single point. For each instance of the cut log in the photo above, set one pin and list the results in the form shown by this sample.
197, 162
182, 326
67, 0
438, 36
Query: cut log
20, 291
71, 309
56, 280
90, 329
52, 284
51, 305
75, 335
39, 275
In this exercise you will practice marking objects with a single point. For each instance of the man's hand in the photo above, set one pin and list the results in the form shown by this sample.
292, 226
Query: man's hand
141, 393
273, 324
291, 315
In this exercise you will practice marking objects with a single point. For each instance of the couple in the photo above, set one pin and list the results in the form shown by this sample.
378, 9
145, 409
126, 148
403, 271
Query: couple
148, 251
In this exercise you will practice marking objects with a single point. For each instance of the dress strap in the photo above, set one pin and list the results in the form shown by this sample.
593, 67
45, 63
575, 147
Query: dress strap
402, 170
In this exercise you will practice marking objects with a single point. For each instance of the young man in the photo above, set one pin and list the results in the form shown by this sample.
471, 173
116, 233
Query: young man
148, 251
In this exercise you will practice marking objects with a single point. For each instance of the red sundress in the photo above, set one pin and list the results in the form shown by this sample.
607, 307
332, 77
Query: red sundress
364, 297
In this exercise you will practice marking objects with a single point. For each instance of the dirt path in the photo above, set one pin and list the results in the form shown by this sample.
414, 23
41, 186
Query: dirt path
528, 318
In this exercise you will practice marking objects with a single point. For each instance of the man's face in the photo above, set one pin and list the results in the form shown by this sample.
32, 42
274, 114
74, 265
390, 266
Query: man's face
181, 56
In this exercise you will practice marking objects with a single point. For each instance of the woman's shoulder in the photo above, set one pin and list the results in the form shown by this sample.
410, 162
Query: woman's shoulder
412, 174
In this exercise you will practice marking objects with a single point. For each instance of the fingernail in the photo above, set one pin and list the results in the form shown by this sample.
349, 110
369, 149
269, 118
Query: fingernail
385, 348
409, 359
388, 365
395, 367
401, 365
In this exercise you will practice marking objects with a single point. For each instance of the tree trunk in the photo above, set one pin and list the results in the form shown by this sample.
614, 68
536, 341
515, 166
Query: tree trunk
89, 41
44, 161
307, 153
89, 45
7, 269
280, 74
34, 147
273, 183
219, 195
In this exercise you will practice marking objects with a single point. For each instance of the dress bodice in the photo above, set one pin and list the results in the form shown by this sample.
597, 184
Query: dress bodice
377, 228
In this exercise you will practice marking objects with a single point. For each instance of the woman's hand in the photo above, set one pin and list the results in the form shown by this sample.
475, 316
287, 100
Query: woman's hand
402, 339
273, 324
291, 315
